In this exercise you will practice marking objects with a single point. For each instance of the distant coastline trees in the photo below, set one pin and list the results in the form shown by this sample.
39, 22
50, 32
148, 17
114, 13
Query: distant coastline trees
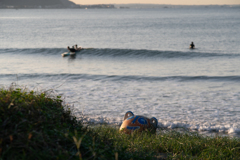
16, 4
37, 4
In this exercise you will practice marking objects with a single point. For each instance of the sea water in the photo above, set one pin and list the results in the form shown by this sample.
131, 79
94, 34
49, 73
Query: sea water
133, 60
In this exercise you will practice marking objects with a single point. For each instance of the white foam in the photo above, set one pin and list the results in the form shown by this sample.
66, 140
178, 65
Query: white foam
168, 124
233, 130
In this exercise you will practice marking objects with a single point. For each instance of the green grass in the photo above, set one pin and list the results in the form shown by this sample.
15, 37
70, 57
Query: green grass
37, 126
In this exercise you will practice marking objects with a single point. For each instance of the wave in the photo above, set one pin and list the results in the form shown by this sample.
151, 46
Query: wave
118, 52
120, 77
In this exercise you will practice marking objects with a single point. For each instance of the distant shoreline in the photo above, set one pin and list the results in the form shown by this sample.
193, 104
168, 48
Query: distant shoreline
110, 6
102, 6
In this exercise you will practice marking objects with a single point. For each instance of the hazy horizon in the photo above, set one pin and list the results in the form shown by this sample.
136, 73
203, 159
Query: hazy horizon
169, 2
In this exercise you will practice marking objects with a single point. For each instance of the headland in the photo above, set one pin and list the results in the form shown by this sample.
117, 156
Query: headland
48, 4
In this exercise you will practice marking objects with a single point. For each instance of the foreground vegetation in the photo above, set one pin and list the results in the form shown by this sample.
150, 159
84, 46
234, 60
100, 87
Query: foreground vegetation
37, 126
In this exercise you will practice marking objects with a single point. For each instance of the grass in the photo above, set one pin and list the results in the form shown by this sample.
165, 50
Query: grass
37, 126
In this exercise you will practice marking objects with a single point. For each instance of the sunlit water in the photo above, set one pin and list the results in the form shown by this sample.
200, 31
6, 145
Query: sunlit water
134, 60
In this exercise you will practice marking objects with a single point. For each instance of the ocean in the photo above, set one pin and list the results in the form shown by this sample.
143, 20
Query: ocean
133, 60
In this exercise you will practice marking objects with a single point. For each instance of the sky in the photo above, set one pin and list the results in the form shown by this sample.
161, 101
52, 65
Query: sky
172, 2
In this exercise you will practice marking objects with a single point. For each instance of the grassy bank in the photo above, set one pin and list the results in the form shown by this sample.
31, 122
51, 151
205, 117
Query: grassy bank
37, 126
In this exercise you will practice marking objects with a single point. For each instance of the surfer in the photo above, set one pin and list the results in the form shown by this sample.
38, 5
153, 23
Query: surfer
77, 48
74, 48
192, 46
71, 49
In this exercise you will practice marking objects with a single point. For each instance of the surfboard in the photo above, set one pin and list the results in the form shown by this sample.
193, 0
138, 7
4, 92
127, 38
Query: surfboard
68, 54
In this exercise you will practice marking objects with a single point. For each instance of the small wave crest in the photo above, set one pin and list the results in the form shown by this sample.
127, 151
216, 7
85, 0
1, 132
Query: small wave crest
118, 52
32, 51
120, 77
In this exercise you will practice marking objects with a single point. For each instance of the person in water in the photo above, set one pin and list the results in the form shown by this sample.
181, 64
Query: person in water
76, 47
71, 49
192, 45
